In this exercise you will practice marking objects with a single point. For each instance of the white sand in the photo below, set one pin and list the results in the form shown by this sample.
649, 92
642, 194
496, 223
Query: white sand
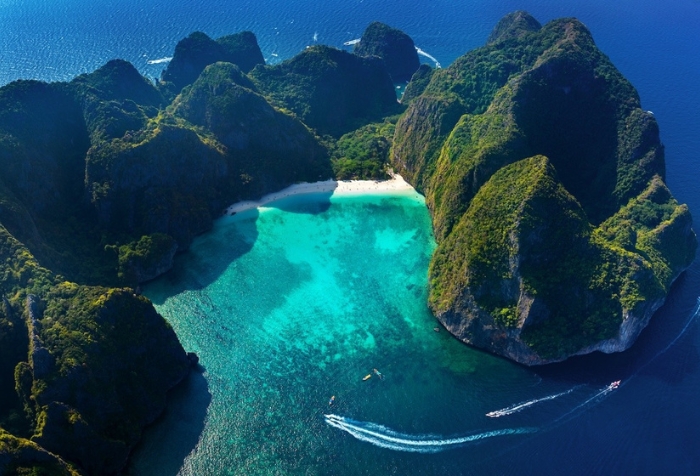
345, 187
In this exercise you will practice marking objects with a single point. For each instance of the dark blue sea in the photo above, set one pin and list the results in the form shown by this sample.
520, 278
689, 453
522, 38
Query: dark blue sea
294, 303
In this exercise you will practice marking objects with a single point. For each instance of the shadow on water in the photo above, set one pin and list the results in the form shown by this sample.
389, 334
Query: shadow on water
232, 237
667, 336
320, 203
167, 442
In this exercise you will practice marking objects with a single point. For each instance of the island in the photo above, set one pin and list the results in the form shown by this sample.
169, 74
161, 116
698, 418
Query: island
544, 178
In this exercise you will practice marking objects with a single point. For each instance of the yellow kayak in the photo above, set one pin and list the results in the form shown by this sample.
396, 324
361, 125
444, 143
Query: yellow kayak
367, 377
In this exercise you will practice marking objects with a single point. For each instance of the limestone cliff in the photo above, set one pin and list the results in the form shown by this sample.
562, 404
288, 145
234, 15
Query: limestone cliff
569, 251
395, 47
329, 90
197, 51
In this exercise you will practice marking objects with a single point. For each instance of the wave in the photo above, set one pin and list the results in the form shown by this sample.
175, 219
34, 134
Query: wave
167, 59
521, 406
429, 56
384, 437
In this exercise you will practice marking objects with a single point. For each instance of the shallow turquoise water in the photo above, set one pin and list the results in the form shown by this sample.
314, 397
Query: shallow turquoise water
287, 306
433, 384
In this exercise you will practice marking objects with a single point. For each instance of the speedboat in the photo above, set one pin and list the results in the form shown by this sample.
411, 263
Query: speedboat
330, 402
615, 384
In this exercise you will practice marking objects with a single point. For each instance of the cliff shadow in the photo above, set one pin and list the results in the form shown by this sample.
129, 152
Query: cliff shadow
313, 203
668, 337
208, 256
230, 238
170, 439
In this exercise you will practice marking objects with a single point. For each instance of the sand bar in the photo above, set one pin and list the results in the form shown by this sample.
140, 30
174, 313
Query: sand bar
342, 187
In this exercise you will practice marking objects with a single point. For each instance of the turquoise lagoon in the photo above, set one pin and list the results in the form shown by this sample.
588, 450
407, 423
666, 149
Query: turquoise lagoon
296, 302
290, 304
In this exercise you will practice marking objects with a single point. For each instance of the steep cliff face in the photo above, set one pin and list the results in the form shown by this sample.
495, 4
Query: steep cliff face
197, 51
271, 148
419, 81
395, 47
527, 265
92, 401
91, 371
330, 90
166, 179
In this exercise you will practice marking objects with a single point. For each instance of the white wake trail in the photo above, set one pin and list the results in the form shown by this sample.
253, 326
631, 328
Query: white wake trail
429, 56
387, 438
160, 60
521, 406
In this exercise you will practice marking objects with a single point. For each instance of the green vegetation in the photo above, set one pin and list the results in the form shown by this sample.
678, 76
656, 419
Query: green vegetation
543, 176
395, 47
103, 180
364, 153
330, 90
419, 81
29, 459
558, 250
197, 51
146, 258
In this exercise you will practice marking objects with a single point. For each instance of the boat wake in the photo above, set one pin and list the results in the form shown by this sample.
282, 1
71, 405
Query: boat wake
599, 395
160, 60
521, 406
384, 437
430, 57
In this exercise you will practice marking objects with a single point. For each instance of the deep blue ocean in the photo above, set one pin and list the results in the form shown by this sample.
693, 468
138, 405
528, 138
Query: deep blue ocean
294, 303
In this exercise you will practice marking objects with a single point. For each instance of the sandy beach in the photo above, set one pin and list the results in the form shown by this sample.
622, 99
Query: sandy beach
343, 187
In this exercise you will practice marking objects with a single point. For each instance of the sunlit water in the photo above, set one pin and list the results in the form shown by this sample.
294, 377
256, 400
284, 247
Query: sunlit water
292, 305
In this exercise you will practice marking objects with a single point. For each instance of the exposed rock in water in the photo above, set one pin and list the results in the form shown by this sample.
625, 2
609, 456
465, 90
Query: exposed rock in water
330, 90
395, 47
197, 51
544, 177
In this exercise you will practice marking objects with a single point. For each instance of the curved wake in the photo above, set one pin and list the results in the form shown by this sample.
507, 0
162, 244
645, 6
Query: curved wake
430, 57
384, 437
521, 406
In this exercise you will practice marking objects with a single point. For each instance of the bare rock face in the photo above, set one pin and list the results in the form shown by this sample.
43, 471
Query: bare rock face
556, 233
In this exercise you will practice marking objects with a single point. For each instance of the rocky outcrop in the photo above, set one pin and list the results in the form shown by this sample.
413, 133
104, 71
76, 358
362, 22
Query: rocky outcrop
41, 361
513, 25
544, 179
419, 81
21, 456
147, 258
115, 359
165, 181
197, 51
329, 90
395, 47
270, 147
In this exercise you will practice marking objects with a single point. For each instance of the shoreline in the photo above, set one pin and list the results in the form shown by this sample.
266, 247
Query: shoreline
342, 187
